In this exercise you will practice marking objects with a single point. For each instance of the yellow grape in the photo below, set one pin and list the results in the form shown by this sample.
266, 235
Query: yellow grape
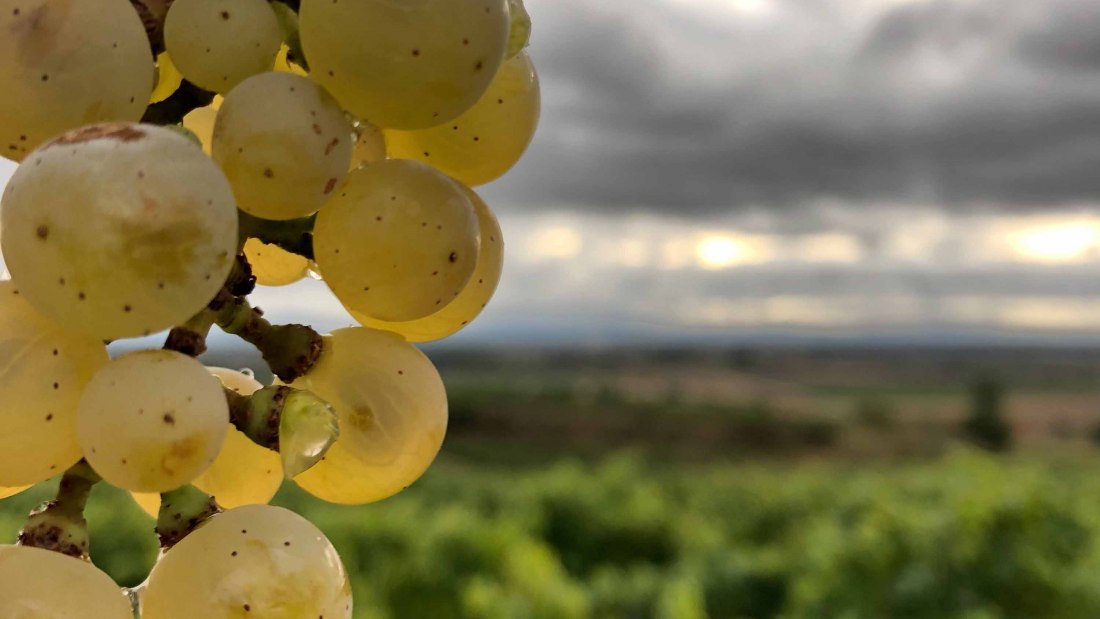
283, 143
397, 241
152, 421
487, 140
66, 64
43, 584
43, 370
370, 146
119, 230
405, 65
9, 492
283, 63
217, 44
201, 122
473, 298
168, 79
243, 473
254, 561
393, 416
149, 502
274, 266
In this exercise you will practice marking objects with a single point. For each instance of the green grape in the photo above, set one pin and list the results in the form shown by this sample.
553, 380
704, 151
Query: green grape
43, 370
473, 298
520, 34
397, 241
217, 44
405, 65
64, 64
43, 584
8, 492
119, 230
168, 79
283, 143
201, 122
255, 561
243, 473
370, 146
273, 265
393, 416
487, 140
152, 421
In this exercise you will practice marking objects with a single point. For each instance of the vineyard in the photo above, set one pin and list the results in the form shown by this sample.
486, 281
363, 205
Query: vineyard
966, 536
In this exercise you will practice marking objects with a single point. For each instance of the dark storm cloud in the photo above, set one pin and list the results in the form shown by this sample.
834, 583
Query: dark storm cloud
685, 107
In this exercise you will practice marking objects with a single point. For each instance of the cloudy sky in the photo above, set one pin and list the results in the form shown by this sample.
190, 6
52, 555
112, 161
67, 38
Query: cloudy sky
724, 170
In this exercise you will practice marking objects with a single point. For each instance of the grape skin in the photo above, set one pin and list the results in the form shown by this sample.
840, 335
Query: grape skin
217, 44
43, 370
42, 584
488, 139
474, 297
119, 230
273, 265
393, 416
152, 421
258, 561
66, 64
283, 143
243, 473
405, 65
397, 241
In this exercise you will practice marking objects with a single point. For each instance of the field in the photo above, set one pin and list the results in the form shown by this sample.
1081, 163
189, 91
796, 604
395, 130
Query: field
738, 486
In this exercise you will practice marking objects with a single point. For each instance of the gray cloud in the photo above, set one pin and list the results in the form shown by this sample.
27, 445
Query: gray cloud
960, 104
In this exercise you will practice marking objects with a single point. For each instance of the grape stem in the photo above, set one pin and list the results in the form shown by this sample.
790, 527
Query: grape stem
59, 525
293, 235
182, 511
190, 337
153, 14
171, 111
294, 422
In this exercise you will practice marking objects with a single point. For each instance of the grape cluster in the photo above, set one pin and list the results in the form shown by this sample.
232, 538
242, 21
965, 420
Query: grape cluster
173, 155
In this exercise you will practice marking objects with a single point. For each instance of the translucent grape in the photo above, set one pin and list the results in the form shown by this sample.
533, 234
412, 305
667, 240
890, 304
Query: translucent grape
66, 64
370, 146
243, 473
273, 265
119, 230
397, 241
43, 370
152, 421
283, 143
393, 416
217, 44
473, 298
168, 79
254, 561
8, 492
520, 33
486, 141
405, 65
43, 584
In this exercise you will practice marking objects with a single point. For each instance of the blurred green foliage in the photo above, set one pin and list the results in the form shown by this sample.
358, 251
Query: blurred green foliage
969, 536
